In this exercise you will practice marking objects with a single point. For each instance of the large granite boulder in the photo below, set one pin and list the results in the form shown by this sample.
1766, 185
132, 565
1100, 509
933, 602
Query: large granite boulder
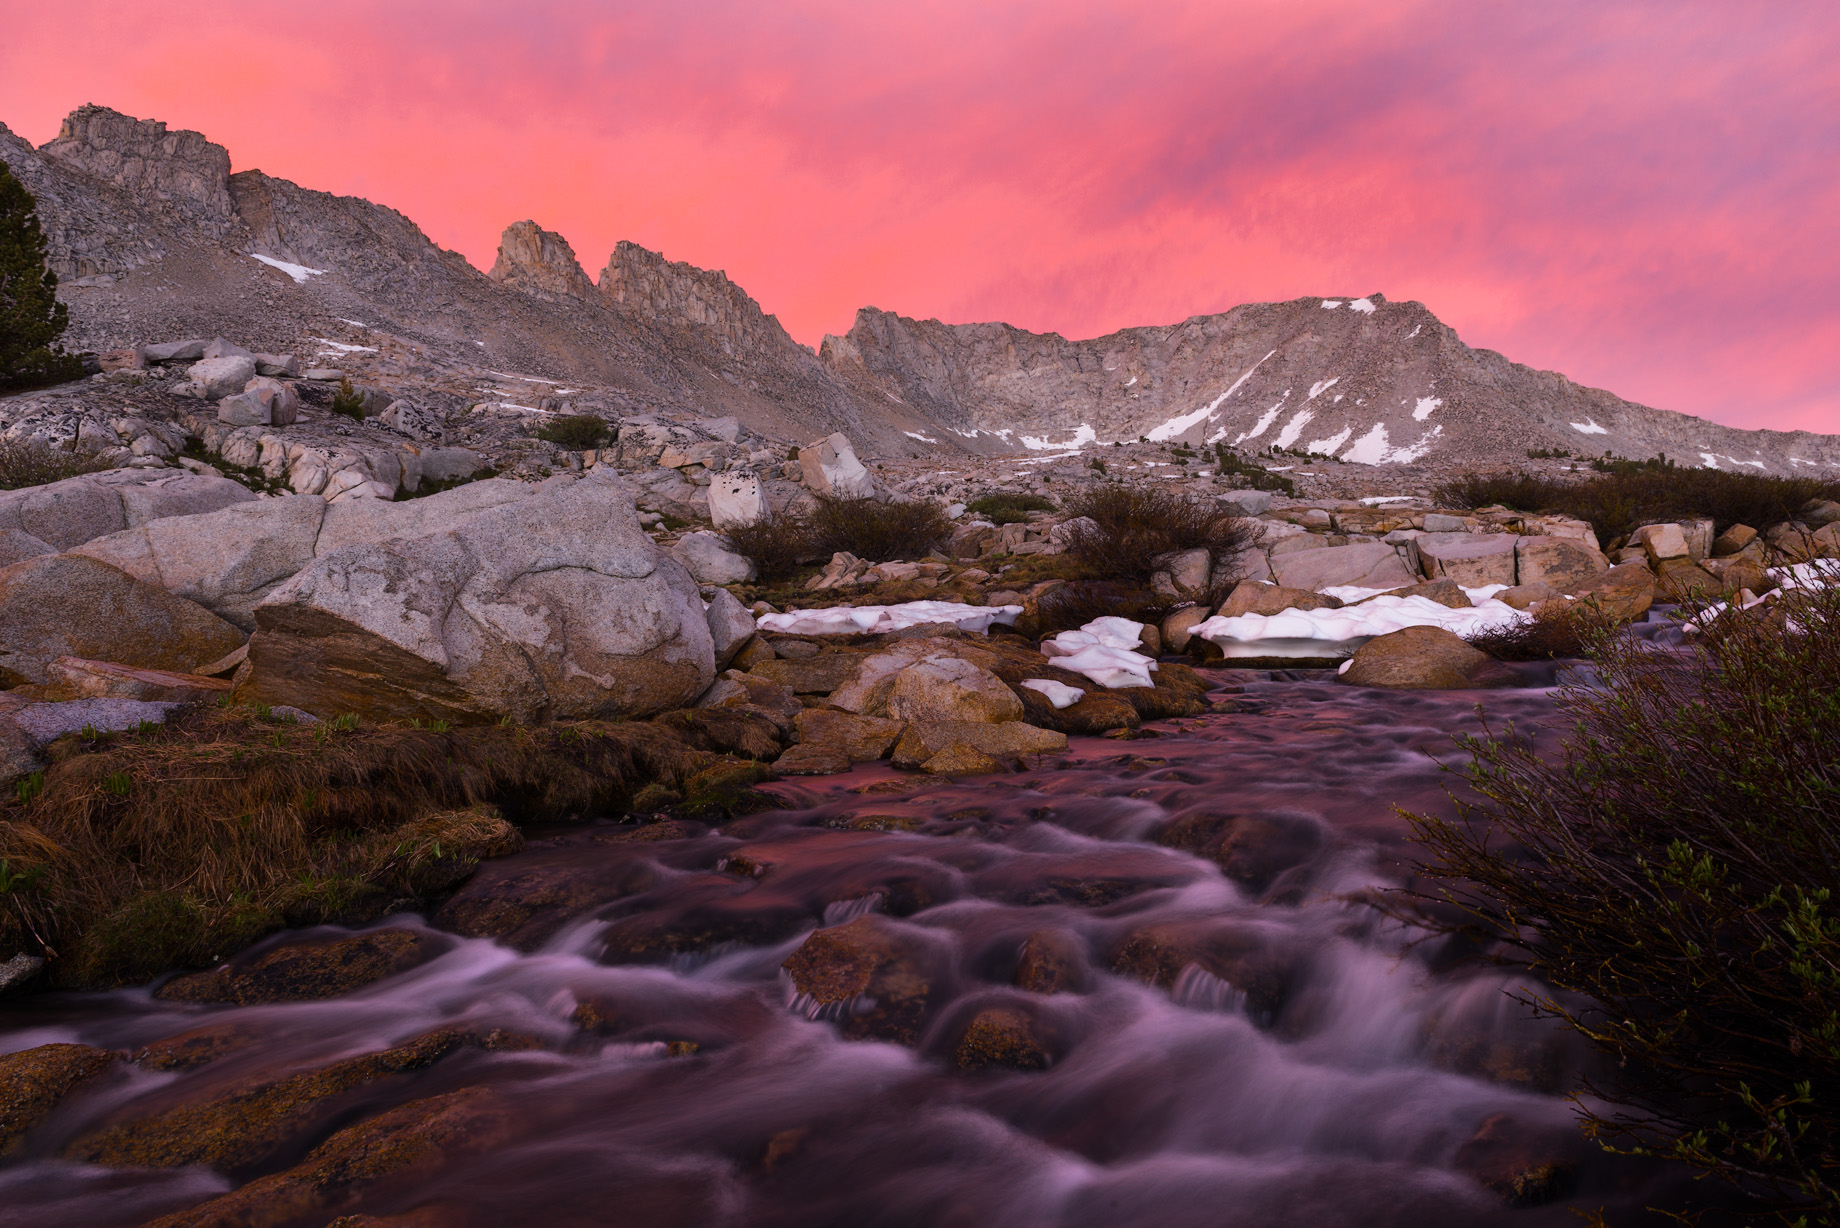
831, 469
61, 605
1362, 565
554, 605
1562, 562
1471, 559
1418, 658
75, 510
228, 560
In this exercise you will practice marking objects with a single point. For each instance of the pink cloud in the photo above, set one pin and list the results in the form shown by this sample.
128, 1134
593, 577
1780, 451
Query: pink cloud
1640, 196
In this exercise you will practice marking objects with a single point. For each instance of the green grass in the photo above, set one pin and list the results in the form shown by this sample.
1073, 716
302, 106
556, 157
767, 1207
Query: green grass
1007, 507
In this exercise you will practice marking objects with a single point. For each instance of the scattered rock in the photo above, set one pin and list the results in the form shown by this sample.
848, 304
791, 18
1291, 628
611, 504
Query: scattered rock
961, 760
1362, 565
814, 675
951, 689
17, 546
73, 678
709, 560
1623, 593
1661, 541
831, 469
1178, 628
300, 972
878, 977
1417, 658
1007, 1037
736, 500
1561, 562
730, 626
34, 1081
861, 739
1052, 961
1522, 596
68, 606
1255, 597
75, 510
1471, 559
1733, 540
1006, 742
221, 377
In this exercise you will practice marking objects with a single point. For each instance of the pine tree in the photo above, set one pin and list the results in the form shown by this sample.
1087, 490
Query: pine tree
31, 318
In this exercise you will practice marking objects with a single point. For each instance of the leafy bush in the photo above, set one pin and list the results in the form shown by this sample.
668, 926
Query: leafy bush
31, 318
1008, 508
24, 464
1130, 527
348, 400
877, 531
1638, 493
576, 432
1558, 630
1678, 865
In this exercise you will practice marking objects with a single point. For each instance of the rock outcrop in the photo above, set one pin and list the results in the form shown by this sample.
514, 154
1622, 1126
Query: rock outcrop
555, 605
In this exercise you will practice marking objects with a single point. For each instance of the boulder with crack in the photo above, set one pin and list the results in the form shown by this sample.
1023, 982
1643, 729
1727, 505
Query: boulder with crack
555, 605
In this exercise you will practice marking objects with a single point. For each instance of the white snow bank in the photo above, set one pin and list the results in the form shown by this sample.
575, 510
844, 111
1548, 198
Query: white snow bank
1379, 616
856, 619
1364, 306
1058, 693
299, 272
340, 347
1589, 427
1105, 651
1377, 500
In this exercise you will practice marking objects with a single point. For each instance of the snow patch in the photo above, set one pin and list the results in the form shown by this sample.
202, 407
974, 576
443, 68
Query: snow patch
1105, 650
1058, 693
919, 436
1377, 500
1362, 305
340, 347
1378, 616
1414, 331
1293, 428
1369, 449
1589, 427
1130, 381
1082, 435
1258, 428
1331, 303
1327, 447
299, 272
1426, 407
1405, 456
853, 620
1321, 386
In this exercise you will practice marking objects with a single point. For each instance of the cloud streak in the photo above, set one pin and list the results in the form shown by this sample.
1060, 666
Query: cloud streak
1640, 195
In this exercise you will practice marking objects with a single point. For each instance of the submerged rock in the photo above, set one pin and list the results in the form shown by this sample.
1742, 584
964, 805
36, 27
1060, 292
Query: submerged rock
304, 971
34, 1081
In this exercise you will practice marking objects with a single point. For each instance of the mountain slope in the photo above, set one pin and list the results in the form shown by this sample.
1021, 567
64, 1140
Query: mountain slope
1365, 380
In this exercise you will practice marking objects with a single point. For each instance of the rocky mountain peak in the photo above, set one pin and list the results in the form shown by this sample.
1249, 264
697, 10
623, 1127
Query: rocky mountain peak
178, 170
643, 283
540, 263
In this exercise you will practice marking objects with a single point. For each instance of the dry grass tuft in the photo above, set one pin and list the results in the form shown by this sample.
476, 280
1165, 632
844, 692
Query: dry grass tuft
24, 464
135, 852
1558, 630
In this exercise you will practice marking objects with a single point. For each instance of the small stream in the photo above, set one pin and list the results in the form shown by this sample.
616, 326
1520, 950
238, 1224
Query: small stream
1352, 1071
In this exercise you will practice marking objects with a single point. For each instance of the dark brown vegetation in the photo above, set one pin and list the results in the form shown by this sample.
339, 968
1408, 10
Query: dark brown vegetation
136, 852
577, 432
1678, 865
24, 463
1077, 603
1631, 494
1558, 630
1128, 528
867, 528
1007, 507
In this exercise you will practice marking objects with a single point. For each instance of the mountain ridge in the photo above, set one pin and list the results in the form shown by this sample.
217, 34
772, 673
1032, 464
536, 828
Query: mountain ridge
154, 236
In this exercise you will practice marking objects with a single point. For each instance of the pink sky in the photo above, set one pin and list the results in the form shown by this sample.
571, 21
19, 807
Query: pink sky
1645, 196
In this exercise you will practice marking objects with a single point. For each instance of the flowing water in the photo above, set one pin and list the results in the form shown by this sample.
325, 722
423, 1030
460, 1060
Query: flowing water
1356, 1072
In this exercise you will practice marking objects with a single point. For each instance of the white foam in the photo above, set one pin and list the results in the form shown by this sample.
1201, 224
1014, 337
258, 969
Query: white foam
1589, 427
853, 620
1058, 693
299, 272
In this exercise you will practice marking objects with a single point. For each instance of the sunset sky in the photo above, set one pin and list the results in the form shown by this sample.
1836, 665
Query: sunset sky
1644, 196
